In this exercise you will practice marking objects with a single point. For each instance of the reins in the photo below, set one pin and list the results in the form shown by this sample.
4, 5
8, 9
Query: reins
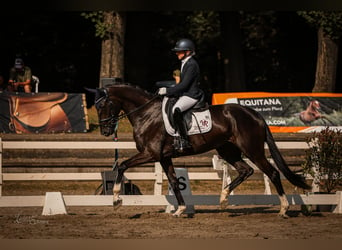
136, 109
118, 118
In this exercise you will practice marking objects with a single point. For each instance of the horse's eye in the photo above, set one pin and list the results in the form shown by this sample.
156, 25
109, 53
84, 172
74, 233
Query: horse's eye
100, 105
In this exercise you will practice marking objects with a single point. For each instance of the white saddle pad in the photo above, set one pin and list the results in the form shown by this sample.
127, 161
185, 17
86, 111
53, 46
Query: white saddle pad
201, 121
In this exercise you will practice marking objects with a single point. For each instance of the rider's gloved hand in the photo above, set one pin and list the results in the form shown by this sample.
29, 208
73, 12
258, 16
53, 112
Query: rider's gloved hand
162, 91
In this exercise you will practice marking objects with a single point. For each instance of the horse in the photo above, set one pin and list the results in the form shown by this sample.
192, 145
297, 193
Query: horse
311, 113
236, 130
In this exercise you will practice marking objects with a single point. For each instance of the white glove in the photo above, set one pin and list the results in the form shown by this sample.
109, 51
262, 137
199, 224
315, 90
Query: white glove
162, 91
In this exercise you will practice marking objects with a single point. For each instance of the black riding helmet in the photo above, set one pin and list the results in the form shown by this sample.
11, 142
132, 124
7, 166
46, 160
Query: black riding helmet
183, 45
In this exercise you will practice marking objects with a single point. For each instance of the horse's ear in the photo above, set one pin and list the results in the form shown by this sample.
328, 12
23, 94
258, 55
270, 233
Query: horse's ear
91, 90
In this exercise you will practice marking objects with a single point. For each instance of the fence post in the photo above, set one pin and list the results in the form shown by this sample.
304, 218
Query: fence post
226, 180
158, 183
267, 185
338, 208
221, 164
0, 167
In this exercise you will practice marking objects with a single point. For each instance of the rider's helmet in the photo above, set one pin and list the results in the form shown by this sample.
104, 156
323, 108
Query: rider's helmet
184, 44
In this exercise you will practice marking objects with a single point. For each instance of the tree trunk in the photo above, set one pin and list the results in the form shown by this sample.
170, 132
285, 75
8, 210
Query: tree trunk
112, 55
326, 63
232, 56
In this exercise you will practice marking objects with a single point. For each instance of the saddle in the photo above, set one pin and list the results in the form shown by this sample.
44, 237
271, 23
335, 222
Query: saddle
38, 113
197, 119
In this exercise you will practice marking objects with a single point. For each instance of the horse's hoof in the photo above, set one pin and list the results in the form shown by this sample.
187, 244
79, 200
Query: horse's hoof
179, 211
117, 204
175, 215
283, 216
224, 204
224, 198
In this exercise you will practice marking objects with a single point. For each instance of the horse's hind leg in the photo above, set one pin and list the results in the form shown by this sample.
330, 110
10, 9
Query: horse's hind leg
230, 153
273, 174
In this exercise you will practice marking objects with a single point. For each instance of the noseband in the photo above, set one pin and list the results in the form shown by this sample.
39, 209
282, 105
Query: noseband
111, 120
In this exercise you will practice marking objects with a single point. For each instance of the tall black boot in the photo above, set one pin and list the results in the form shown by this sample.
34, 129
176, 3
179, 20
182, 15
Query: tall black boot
181, 129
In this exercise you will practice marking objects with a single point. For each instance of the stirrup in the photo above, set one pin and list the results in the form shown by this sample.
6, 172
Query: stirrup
180, 144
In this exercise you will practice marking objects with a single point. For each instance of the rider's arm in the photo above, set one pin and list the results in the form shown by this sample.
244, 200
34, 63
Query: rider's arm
27, 77
28, 81
189, 74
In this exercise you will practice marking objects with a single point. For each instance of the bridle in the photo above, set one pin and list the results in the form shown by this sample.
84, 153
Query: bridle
112, 119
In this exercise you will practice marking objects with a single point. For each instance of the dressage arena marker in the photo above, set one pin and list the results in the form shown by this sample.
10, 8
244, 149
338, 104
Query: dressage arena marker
141, 200
184, 186
54, 204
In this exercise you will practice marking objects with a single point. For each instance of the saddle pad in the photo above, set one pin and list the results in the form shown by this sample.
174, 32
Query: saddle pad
201, 121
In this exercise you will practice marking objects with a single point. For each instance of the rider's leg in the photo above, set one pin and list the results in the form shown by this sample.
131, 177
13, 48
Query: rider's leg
183, 104
181, 129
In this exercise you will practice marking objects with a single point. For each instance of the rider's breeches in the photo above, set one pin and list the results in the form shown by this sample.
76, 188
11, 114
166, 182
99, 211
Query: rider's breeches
184, 103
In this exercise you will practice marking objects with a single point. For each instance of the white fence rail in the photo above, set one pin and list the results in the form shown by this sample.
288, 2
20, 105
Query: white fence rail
158, 176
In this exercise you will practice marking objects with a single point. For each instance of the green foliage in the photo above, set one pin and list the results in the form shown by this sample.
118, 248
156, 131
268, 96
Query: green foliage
259, 30
330, 21
103, 29
203, 26
261, 37
324, 157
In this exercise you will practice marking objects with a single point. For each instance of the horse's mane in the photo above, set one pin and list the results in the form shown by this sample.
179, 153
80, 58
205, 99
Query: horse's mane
132, 86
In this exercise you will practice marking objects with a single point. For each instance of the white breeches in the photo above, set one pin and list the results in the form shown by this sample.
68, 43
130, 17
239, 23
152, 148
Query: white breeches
184, 103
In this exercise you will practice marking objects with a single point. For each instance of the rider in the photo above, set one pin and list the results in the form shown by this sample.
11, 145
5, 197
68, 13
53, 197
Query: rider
20, 76
187, 90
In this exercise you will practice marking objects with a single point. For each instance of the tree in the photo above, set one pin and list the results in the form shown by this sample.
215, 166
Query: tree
232, 56
110, 27
204, 28
329, 30
260, 41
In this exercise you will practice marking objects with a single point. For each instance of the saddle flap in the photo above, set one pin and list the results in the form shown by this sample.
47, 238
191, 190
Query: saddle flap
197, 120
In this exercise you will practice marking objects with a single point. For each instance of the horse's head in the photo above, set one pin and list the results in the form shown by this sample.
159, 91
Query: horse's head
108, 110
315, 105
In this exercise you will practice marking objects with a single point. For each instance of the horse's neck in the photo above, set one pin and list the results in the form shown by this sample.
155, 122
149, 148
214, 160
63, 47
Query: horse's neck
133, 101
311, 108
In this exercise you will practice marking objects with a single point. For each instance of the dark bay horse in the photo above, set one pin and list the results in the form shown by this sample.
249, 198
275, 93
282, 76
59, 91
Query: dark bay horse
236, 130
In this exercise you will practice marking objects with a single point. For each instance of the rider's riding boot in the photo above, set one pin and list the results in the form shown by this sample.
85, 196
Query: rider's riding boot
181, 129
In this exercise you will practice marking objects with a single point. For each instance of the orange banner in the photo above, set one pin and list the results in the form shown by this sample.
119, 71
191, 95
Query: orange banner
290, 112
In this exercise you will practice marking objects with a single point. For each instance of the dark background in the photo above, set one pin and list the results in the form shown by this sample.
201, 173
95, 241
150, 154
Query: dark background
62, 50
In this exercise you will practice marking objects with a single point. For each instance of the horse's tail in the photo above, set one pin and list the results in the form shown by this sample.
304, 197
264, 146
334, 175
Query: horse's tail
295, 179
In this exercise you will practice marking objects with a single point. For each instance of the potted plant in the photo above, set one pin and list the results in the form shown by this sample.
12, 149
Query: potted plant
323, 160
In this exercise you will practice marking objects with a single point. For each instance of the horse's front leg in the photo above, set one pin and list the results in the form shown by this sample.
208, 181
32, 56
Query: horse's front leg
174, 183
119, 171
